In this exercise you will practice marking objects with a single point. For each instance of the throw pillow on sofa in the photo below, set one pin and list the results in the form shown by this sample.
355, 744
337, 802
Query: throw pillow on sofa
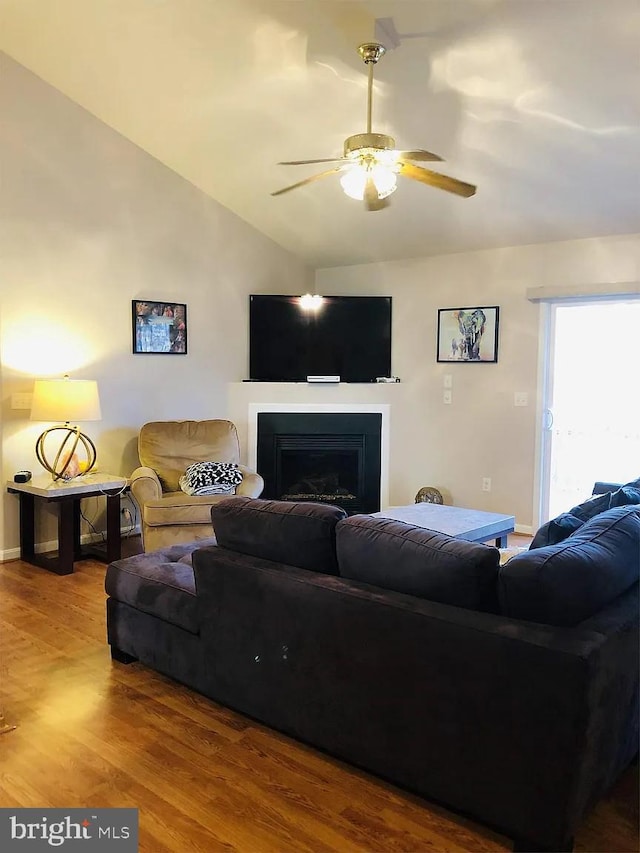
566, 583
210, 478
416, 561
557, 529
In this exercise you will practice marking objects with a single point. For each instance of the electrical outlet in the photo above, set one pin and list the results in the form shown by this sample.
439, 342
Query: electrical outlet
520, 398
486, 484
447, 397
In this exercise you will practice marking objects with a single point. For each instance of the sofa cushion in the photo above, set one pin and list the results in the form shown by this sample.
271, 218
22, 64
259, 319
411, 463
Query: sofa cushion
160, 583
298, 534
420, 562
565, 583
557, 529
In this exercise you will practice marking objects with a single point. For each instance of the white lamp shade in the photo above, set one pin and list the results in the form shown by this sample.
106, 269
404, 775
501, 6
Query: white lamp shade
65, 400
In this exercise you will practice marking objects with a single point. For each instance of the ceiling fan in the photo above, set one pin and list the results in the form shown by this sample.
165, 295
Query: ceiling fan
371, 162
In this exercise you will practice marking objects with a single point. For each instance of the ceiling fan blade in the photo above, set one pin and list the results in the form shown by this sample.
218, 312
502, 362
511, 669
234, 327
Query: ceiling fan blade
435, 179
309, 180
417, 154
306, 162
372, 200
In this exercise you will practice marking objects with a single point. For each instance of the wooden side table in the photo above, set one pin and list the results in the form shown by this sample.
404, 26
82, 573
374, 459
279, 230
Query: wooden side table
66, 496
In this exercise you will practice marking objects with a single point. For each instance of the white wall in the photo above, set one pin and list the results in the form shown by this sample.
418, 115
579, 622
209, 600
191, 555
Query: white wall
90, 222
481, 434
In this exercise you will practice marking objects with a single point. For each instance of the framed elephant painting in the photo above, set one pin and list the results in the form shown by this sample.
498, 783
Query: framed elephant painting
468, 334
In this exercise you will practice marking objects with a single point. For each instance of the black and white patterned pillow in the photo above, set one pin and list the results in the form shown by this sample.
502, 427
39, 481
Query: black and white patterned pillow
211, 478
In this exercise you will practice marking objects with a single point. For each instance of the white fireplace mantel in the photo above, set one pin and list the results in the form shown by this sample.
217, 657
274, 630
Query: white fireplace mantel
246, 399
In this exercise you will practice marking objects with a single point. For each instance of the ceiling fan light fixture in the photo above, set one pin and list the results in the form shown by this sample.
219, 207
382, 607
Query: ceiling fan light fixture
375, 156
354, 180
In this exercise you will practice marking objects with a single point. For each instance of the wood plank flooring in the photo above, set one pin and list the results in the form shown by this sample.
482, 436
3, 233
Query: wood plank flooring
95, 733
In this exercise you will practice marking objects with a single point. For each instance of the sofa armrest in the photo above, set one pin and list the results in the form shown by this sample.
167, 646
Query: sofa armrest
145, 486
252, 483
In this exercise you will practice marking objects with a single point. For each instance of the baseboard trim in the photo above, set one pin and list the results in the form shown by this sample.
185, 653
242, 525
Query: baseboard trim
86, 539
526, 529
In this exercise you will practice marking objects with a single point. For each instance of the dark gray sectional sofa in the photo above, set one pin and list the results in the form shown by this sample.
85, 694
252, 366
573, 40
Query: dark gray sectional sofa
509, 694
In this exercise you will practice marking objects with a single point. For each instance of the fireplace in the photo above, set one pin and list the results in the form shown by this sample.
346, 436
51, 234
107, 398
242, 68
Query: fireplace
323, 457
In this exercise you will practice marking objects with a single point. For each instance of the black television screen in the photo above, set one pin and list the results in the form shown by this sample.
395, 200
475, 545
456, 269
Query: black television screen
345, 336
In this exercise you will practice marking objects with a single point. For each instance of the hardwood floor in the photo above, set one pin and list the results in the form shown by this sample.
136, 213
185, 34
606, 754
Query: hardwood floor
95, 733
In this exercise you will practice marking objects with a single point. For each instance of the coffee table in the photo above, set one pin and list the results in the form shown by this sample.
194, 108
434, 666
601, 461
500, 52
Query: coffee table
66, 495
469, 524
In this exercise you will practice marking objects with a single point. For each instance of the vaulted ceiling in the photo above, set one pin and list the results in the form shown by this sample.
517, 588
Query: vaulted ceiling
537, 102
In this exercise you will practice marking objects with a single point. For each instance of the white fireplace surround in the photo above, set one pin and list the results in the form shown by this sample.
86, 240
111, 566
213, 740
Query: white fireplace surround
332, 408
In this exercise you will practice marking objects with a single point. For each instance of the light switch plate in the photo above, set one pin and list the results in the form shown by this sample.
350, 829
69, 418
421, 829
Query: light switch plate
447, 381
520, 398
447, 397
21, 400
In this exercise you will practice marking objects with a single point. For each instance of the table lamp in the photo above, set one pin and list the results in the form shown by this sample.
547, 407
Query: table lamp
65, 400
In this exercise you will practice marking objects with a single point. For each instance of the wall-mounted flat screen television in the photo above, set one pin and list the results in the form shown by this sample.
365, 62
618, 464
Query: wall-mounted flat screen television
293, 337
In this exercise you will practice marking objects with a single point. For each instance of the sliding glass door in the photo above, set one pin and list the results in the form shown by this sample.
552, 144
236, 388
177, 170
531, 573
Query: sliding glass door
591, 427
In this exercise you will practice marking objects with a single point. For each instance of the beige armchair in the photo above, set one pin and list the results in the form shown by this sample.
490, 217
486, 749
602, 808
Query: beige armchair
166, 448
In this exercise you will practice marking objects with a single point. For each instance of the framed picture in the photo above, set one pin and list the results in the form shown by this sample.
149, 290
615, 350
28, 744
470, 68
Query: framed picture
468, 334
159, 327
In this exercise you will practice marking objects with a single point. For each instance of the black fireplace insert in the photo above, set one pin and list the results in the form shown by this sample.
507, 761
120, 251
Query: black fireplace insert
322, 457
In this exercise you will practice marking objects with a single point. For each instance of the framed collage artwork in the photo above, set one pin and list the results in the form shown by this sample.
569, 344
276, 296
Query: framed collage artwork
159, 327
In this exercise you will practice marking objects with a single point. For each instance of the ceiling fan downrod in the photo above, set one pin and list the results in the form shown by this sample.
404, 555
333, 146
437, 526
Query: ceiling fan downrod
370, 52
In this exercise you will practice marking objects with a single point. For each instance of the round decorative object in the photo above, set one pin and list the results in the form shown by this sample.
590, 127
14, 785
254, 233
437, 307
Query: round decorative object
429, 495
65, 465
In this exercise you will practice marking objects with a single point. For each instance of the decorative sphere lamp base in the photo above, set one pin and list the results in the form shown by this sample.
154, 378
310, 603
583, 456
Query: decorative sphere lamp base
65, 466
